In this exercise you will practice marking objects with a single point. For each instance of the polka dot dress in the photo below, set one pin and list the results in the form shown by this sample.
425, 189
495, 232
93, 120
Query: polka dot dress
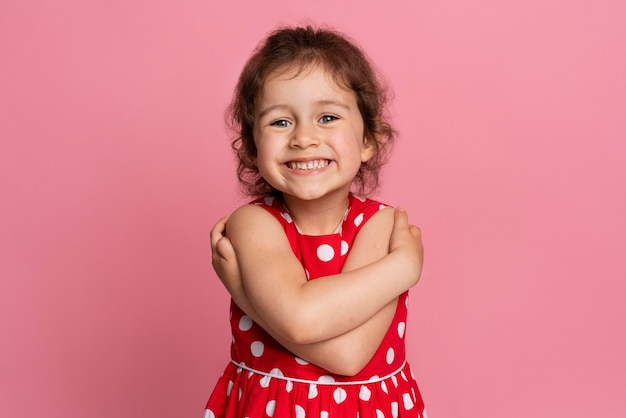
266, 380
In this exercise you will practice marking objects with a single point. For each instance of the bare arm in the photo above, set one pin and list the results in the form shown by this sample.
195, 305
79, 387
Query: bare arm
353, 349
304, 311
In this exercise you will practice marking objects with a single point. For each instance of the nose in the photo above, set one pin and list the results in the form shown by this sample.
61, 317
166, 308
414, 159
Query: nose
304, 136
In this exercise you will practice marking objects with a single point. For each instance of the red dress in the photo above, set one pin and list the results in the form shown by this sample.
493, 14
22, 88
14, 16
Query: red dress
265, 380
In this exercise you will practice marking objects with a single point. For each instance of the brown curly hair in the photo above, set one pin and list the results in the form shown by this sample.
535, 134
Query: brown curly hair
299, 47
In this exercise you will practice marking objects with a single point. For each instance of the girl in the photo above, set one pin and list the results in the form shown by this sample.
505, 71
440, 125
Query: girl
319, 276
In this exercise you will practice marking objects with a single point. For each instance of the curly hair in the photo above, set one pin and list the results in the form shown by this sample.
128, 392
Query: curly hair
300, 47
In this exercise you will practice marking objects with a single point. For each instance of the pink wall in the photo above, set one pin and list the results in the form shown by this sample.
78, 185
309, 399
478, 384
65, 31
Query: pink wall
114, 163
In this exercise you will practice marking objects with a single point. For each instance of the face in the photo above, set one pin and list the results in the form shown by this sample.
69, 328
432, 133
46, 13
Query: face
309, 136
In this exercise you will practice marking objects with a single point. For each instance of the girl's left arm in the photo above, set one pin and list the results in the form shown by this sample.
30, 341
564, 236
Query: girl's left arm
345, 354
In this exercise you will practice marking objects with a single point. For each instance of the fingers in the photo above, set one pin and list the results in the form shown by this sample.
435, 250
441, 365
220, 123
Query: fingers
218, 231
415, 231
401, 222
224, 249
400, 217
224, 260
221, 246
406, 241
400, 228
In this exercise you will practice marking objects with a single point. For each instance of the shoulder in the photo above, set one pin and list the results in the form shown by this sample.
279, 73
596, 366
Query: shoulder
371, 214
372, 239
257, 236
379, 224
377, 221
250, 219
259, 207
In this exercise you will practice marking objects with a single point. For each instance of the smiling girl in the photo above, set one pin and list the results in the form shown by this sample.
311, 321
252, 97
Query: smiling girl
319, 275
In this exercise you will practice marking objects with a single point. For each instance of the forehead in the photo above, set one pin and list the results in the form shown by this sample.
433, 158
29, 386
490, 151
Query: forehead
293, 82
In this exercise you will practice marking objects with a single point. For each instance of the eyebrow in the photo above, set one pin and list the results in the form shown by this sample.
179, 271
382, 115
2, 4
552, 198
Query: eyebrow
318, 103
270, 108
332, 103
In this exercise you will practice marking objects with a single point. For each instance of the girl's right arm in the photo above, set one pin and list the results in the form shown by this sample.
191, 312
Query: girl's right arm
347, 353
302, 311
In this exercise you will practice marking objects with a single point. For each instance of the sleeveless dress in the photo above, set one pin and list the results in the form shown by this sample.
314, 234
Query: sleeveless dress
265, 380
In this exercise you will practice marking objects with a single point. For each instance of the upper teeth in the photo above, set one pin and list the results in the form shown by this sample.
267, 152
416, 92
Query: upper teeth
308, 165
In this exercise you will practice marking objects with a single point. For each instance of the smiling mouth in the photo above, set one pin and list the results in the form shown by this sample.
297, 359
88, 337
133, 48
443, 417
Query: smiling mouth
308, 165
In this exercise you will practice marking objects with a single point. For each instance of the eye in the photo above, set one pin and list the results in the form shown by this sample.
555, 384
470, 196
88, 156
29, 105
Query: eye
328, 118
281, 123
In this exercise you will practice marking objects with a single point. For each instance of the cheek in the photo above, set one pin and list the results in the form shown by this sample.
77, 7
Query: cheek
263, 158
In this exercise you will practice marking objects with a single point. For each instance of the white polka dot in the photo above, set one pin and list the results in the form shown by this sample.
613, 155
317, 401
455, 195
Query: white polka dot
362, 199
424, 414
239, 394
340, 395
394, 380
270, 408
312, 391
324, 414
408, 403
326, 379
257, 348
289, 386
404, 376
381, 206
401, 328
300, 361
379, 414
344, 248
300, 413
229, 388
276, 372
390, 355
325, 252
374, 378
287, 217
269, 200
383, 386
394, 409
358, 219
406, 301
265, 381
209, 414
365, 393
307, 274
245, 323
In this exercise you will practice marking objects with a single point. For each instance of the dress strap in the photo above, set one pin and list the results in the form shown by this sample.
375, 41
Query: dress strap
323, 380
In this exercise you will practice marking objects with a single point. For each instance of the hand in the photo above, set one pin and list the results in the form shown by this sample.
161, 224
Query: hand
224, 258
406, 241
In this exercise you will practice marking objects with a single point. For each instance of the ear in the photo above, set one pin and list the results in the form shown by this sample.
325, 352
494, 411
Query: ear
368, 150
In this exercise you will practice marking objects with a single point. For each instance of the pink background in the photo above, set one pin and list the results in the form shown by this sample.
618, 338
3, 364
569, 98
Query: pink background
114, 164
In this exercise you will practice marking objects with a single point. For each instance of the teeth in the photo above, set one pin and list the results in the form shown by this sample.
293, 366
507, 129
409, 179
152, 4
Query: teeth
308, 165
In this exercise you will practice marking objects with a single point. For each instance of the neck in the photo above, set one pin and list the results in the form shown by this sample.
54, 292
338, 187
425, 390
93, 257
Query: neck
320, 216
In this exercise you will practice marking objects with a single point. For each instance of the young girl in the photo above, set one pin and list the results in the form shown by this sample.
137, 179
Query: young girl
318, 275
